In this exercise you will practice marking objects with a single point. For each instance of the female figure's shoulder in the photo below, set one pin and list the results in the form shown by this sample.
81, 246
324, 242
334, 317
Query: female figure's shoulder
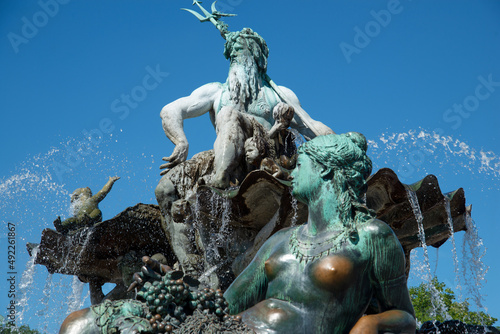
279, 238
376, 228
377, 233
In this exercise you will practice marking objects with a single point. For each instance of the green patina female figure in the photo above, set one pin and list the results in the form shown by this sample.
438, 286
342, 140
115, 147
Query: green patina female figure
322, 276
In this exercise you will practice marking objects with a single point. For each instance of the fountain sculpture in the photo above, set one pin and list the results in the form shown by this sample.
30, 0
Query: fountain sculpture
228, 220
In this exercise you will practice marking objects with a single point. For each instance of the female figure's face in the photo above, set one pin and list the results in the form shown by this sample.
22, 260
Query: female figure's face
306, 178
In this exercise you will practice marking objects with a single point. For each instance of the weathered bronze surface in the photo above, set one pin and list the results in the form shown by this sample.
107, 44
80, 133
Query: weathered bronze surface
321, 277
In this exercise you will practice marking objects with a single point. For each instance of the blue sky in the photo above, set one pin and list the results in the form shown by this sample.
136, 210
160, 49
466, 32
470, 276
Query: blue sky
396, 71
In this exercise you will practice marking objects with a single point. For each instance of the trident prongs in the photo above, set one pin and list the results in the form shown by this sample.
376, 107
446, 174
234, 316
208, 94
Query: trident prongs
212, 17
218, 14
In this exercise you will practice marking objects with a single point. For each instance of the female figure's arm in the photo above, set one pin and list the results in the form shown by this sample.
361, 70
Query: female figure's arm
250, 287
389, 282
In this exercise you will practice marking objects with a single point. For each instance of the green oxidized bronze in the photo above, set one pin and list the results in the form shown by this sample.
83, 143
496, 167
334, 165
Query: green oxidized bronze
110, 317
164, 303
321, 277
85, 207
121, 316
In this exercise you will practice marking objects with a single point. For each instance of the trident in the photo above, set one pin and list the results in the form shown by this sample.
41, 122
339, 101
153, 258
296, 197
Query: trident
212, 17
223, 28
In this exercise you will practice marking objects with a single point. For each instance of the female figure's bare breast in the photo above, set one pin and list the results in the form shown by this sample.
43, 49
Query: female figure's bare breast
324, 285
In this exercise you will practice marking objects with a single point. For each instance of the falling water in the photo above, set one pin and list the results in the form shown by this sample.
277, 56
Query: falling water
26, 198
453, 244
213, 249
219, 238
416, 153
438, 306
412, 198
423, 152
297, 137
34, 194
26, 284
207, 273
216, 239
45, 301
434, 272
473, 268
222, 235
87, 234
75, 299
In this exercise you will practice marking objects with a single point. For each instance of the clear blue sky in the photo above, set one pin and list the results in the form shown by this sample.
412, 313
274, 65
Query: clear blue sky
376, 67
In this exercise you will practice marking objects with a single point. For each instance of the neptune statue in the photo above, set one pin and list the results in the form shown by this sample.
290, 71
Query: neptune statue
343, 271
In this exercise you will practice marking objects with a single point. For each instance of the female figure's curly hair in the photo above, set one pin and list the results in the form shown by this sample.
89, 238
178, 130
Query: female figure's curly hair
344, 157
